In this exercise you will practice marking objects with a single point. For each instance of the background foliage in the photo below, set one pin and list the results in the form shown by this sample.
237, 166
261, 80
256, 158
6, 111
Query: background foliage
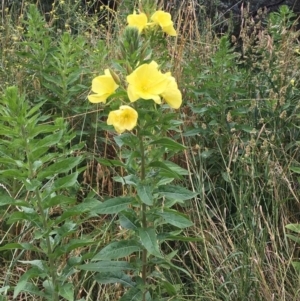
240, 128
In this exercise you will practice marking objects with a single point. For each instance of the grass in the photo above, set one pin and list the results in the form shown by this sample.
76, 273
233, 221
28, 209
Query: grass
240, 128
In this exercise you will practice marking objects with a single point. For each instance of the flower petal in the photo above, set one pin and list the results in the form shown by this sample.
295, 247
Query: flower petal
123, 119
163, 19
170, 30
96, 98
137, 20
146, 82
132, 94
172, 94
173, 98
103, 86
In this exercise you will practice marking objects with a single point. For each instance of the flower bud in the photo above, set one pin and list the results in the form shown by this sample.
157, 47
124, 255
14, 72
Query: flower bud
128, 68
114, 76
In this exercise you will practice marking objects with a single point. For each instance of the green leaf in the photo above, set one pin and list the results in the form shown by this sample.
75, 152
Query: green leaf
72, 245
8, 160
293, 227
78, 243
167, 236
128, 219
163, 262
58, 200
149, 241
135, 294
171, 290
52, 79
113, 206
6, 200
176, 168
114, 277
67, 181
169, 144
48, 288
110, 163
126, 180
66, 290
127, 139
41, 129
32, 184
245, 128
14, 173
145, 193
296, 265
207, 154
192, 132
118, 249
4, 289
34, 109
45, 143
112, 266
28, 288
175, 218
36, 263
17, 216
62, 166
22, 246
294, 238
176, 192
165, 171
87, 205
295, 169
24, 286
226, 176
73, 76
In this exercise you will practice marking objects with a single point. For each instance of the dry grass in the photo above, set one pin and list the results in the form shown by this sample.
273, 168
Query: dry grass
244, 253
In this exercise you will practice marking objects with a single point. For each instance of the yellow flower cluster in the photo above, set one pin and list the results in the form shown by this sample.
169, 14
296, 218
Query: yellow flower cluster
146, 82
159, 18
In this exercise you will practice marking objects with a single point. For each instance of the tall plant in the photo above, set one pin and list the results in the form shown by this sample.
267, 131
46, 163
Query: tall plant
39, 171
140, 98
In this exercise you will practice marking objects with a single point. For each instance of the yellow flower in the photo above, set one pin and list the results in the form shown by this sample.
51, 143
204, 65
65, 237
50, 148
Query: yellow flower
297, 50
146, 82
292, 82
123, 119
163, 19
139, 21
172, 94
103, 86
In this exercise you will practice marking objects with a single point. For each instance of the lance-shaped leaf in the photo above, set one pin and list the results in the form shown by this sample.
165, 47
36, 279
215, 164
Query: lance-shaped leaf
114, 277
113, 206
169, 144
175, 218
293, 227
107, 265
62, 166
118, 249
149, 240
176, 192
135, 294
67, 291
128, 219
144, 191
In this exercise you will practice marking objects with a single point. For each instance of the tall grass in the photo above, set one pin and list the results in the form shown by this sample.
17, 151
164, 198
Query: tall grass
241, 133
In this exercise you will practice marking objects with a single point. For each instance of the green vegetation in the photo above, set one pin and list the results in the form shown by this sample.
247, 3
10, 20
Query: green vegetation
65, 175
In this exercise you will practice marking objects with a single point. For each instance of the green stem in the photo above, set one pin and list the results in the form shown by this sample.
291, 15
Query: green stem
52, 268
143, 213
